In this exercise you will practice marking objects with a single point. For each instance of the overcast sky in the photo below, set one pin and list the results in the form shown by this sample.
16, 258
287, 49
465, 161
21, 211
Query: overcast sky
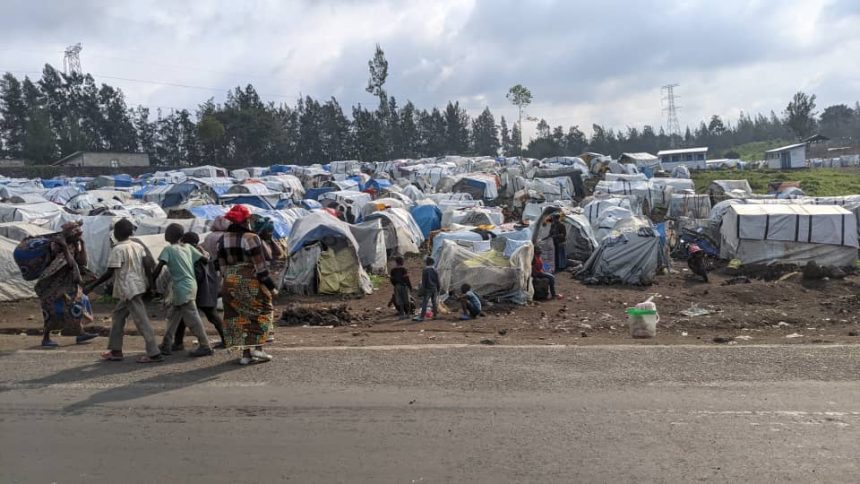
584, 61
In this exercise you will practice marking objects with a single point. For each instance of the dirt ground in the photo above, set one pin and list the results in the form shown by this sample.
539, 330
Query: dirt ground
786, 311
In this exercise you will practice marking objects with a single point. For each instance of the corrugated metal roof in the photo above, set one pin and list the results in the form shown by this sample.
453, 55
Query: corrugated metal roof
682, 151
786, 148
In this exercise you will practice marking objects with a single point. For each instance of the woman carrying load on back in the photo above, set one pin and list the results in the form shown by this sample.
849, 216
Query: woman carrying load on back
247, 288
59, 287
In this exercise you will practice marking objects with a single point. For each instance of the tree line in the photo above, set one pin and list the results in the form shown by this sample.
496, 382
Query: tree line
44, 120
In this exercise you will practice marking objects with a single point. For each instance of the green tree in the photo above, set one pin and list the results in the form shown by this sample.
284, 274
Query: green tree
485, 134
838, 121
521, 97
409, 131
507, 144
13, 116
800, 114
456, 130
516, 141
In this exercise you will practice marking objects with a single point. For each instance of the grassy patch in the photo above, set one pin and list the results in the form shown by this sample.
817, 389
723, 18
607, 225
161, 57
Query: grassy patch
377, 280
821, 182
755, 151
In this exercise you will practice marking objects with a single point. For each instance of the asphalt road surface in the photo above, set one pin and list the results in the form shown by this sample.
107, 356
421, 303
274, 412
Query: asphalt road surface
437, 414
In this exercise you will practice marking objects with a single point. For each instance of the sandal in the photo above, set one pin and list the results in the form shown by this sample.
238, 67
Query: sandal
111, 356
150, 359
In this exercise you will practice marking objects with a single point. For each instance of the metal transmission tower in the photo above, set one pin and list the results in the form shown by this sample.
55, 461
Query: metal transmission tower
72, 59
673, 128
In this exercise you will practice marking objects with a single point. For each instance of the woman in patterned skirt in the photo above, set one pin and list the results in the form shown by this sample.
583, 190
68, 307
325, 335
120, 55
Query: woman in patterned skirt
63, 302
247, 288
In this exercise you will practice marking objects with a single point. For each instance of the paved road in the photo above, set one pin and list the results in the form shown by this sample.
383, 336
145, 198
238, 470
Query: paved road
434, 414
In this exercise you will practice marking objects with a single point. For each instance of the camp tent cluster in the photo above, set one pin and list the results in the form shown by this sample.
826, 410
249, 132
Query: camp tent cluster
480, 218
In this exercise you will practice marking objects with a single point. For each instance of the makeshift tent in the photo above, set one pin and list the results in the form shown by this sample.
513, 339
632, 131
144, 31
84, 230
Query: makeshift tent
289, 185
45, 214
474, 216
579, 243
402, 234
480, 186
337, 264
19, 231
207, 171
62, 194
630, 254
594, 209
110, 181
689, 205
350, 203
27, 198
720, 190
663, 188
789, 234
428, 218
14, 286
371, 245
490, 274
150, 226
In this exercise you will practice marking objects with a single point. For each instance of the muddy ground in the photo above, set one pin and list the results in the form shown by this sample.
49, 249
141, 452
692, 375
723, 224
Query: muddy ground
792, 310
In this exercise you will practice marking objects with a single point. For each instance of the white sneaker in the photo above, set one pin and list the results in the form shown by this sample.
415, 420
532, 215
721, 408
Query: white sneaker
245, 360
259, 355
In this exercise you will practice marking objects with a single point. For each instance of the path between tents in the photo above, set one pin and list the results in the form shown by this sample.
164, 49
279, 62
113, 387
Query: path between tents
787, 311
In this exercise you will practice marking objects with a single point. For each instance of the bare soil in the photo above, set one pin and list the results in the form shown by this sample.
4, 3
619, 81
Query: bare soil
792, 310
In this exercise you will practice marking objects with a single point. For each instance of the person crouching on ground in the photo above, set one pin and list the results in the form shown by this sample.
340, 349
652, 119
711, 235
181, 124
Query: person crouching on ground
180, 259
538, 273
429, 289
208, 287
470, 303
126, 266
402, 288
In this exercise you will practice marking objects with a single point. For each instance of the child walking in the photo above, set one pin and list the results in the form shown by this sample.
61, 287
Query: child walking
180, 259
126, 266
208, 288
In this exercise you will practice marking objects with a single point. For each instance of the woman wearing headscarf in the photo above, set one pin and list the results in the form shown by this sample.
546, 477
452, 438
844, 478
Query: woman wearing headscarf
63, 302
272, 251
247, 288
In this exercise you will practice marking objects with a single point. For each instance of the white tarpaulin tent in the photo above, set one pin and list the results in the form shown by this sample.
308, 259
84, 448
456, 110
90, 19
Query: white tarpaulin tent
789, 234
14, 286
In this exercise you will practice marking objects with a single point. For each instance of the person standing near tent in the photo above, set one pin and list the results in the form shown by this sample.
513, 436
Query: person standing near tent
180, 259
402, 287
274, 254
558, 233
247, 288
429, 289
208, 287
59, 287
538, 273
126, 265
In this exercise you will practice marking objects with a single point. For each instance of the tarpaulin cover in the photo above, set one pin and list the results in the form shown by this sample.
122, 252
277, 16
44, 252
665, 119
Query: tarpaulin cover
402, 234
628, 255
315, 227
428, 218
371, 245
14, 287
789, 234
491, 275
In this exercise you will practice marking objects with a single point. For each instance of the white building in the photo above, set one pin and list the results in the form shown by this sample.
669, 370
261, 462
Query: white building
692, 158
787, 157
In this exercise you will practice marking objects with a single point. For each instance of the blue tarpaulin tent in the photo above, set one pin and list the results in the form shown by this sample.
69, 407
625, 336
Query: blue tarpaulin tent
428, 218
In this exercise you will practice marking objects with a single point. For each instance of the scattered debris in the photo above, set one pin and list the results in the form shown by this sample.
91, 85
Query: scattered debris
694, 310
794, 335
853, 333
743, 337
487, 342
723, 339
737, 280
301, 315
502, 332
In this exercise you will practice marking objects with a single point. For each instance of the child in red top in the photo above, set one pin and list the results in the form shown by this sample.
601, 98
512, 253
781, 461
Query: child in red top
538, 273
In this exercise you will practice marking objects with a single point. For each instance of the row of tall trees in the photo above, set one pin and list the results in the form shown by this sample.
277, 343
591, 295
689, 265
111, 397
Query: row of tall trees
41, 121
